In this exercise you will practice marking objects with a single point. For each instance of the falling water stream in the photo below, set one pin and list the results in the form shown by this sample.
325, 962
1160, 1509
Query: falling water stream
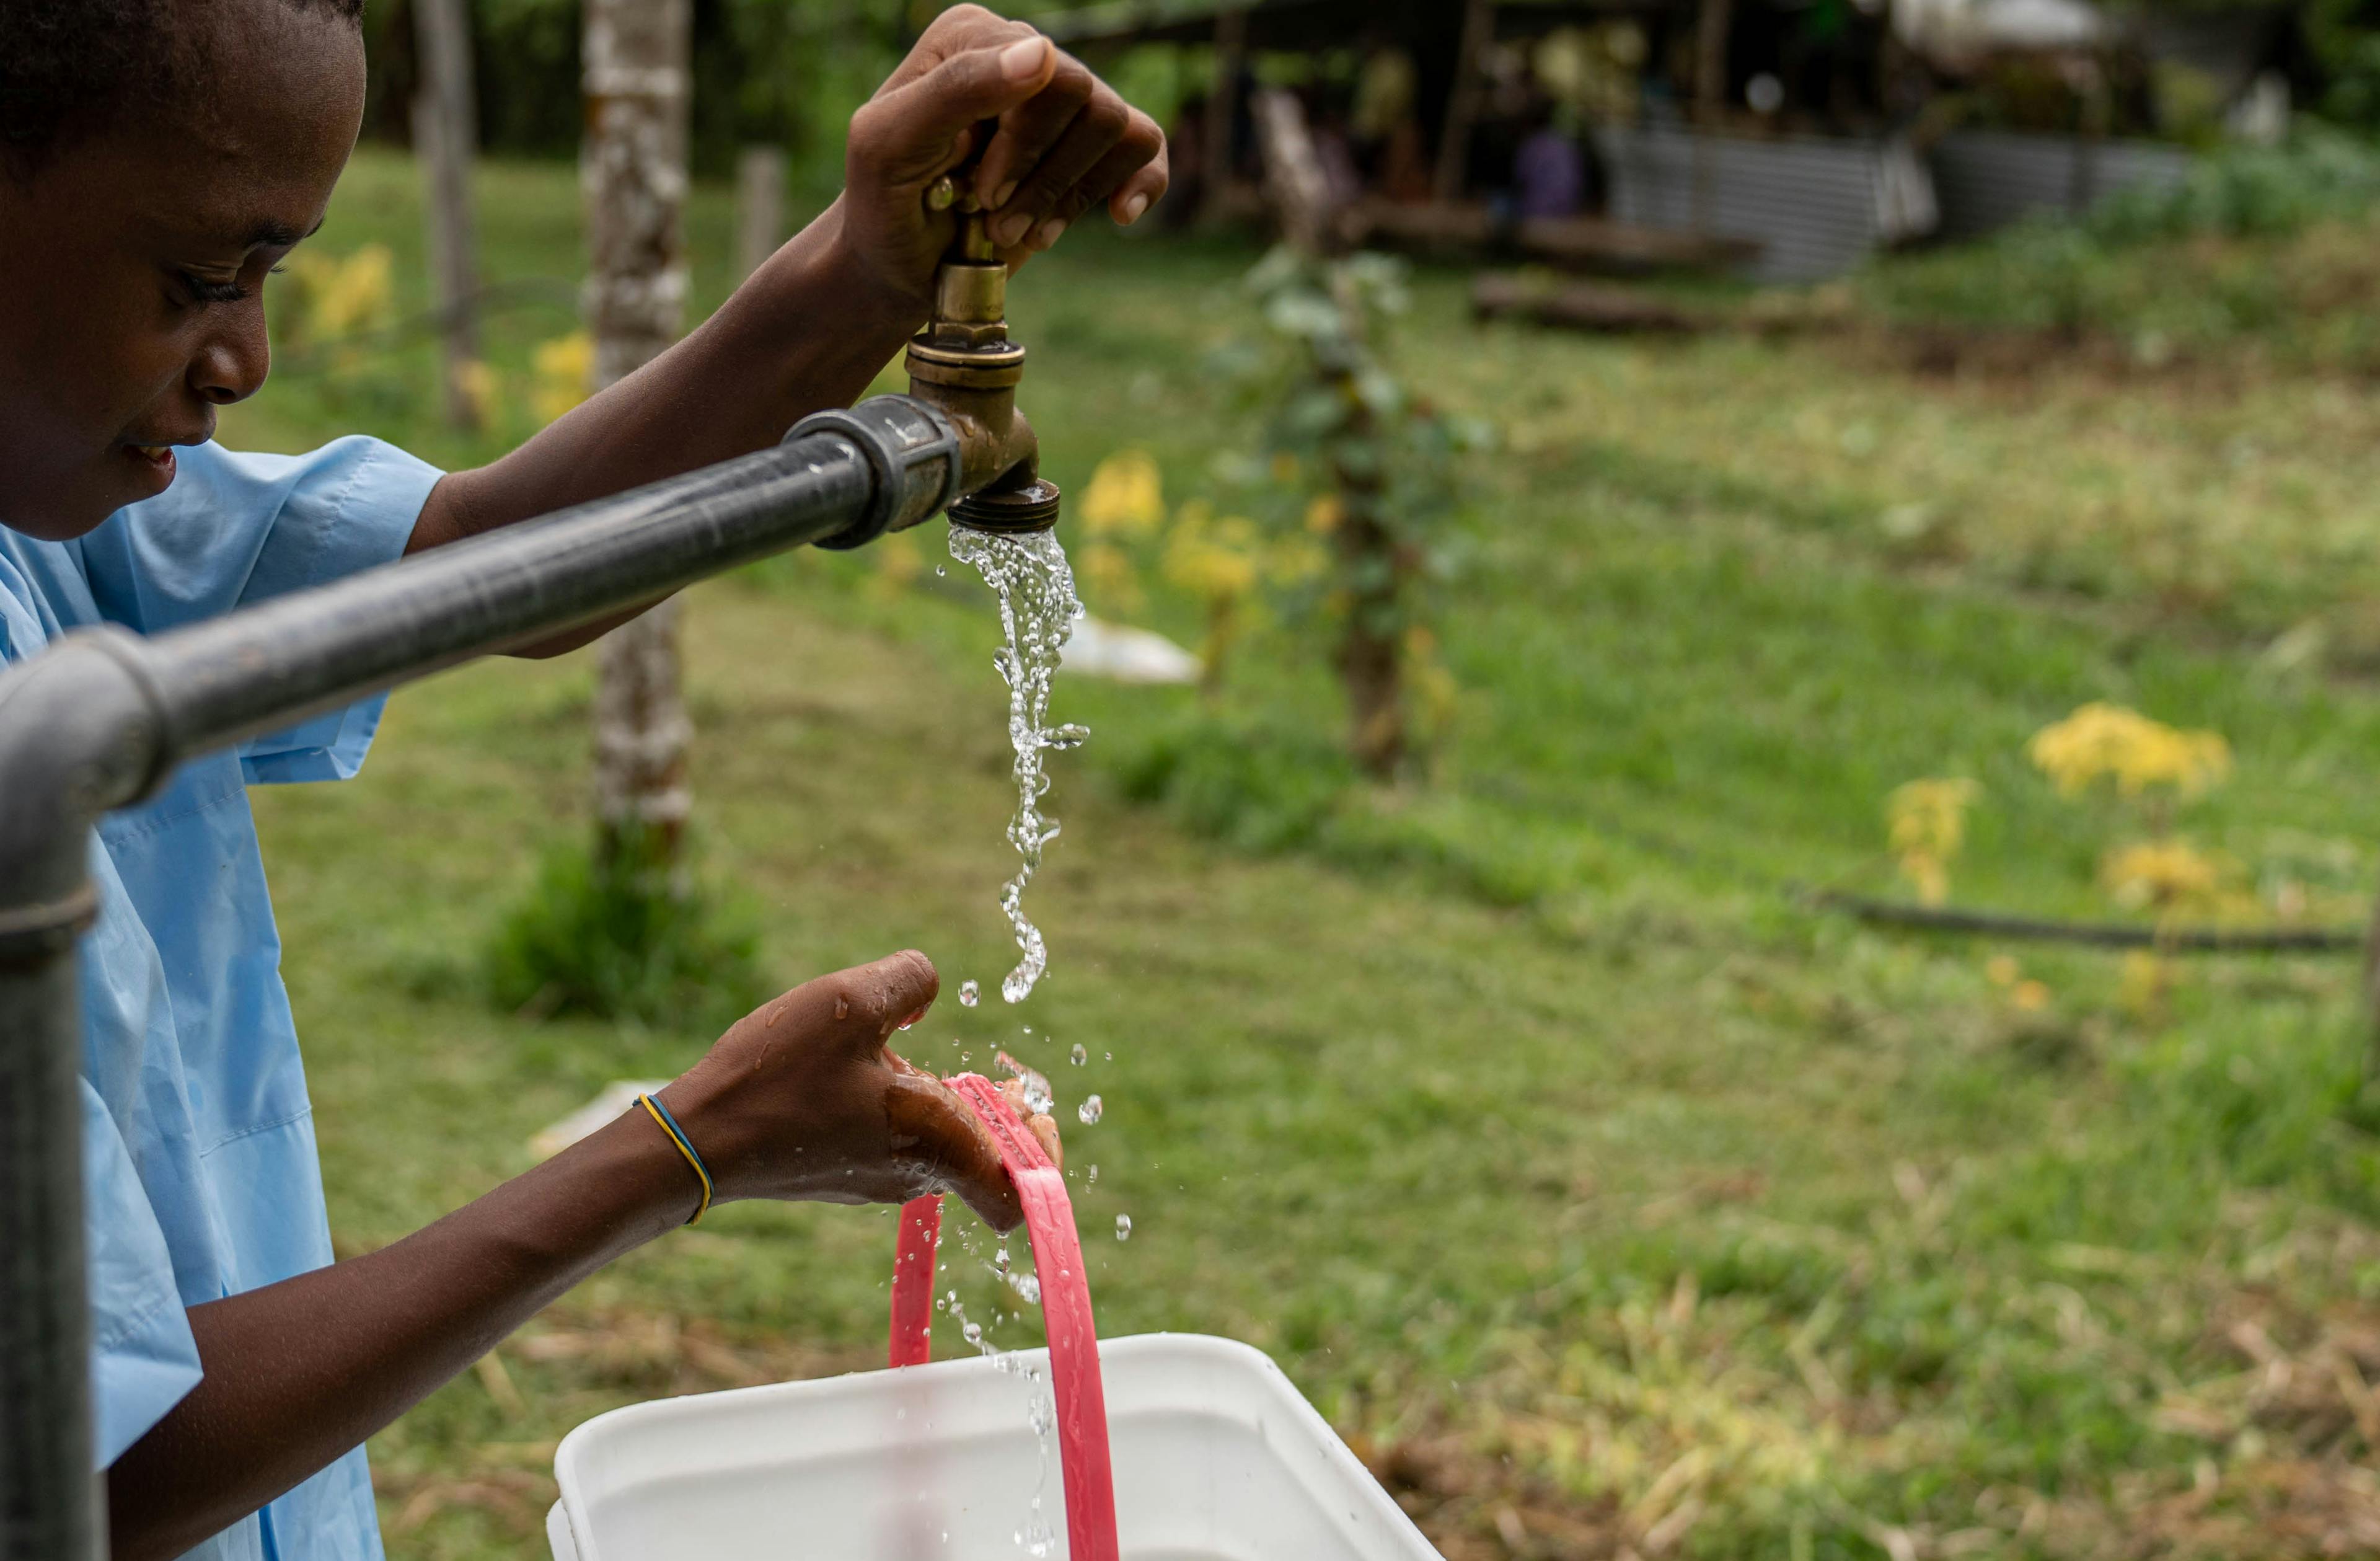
1029, 576
1034, 588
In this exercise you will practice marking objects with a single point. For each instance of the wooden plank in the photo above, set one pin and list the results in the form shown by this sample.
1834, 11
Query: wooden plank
1583, 306
1586, 242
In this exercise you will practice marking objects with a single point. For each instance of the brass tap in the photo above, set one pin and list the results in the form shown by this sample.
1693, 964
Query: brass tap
963, 363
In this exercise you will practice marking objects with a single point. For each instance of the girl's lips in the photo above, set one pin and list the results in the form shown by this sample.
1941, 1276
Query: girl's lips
155, 463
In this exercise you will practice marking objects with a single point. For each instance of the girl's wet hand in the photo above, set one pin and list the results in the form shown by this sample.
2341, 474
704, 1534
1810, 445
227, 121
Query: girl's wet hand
804, 1099
1055, 140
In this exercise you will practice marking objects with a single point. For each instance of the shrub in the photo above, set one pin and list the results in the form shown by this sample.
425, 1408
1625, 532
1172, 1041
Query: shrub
620, 936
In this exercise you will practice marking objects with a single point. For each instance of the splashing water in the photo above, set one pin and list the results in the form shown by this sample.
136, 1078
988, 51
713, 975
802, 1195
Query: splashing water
1038, 1097
1079, 1054
969, 995
1089, 1111
1123, 1227
1038, 609
1035, 1538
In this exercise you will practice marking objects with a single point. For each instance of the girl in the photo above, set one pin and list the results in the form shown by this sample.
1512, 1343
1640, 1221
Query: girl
157, 159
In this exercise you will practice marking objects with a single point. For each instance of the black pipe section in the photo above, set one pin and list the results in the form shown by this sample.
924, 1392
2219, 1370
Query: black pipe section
101, 717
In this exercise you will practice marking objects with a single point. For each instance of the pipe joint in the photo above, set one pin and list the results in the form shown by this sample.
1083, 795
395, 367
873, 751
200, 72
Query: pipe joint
914, 449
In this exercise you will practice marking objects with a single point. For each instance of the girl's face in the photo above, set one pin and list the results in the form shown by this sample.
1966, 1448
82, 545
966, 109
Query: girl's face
132, 273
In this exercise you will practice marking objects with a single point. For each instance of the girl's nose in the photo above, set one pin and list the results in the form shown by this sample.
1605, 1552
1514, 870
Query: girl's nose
232, 364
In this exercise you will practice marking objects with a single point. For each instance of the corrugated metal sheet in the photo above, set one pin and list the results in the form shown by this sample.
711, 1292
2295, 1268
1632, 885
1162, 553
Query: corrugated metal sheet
1809, 203
1985, 179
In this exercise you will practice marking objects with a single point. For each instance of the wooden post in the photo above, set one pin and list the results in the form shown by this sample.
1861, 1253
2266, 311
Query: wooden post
1711, 31
633, 175
1222, 106
446, 136
1462, 104
759, 206
1294, 182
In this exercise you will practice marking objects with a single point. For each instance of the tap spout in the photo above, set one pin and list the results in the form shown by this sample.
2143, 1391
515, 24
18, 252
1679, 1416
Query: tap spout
965, 365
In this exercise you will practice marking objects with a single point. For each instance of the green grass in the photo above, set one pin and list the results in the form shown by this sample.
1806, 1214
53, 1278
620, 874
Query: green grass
1605, 1199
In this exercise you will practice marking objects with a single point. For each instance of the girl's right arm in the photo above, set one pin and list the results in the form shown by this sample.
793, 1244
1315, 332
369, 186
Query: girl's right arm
800, 1100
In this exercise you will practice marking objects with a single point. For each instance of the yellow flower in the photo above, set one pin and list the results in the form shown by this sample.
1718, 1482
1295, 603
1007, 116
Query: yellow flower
1927, 822
1213, 560
2030, 996
2100, 740
344, 297
2141, 991
480, 386
1322, 516
1113, 583
2162, 874
1126, 495
565, 368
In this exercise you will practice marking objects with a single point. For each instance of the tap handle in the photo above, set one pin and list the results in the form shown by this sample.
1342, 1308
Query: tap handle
973, 243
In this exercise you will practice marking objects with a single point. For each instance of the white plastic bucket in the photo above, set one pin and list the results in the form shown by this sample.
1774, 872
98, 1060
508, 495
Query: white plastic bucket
1217, 1459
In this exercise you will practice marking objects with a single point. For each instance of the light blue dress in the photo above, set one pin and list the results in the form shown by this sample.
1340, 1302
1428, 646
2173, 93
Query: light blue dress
200, 1169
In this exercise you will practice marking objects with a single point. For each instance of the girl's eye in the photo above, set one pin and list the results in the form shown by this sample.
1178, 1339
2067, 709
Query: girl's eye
204, 291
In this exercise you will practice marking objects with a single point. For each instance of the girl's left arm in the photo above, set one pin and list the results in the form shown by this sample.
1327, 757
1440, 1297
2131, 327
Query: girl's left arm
813, 325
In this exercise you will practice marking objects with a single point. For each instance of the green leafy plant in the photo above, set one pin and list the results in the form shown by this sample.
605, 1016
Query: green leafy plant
1356, 464
622, 934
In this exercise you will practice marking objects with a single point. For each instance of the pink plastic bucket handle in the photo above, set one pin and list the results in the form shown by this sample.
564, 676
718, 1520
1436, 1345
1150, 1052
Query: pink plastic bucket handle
1065, 1312
913, 1281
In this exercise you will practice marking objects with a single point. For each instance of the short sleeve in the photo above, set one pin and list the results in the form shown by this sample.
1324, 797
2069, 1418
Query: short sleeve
236, 530
143, 1357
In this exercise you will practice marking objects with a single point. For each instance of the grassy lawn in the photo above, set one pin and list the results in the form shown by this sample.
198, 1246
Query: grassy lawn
1609, 1203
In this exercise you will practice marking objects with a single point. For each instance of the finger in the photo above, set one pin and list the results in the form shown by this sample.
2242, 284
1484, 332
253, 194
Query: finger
902, 136
952, 1152
1127, 159
954, 32
1045, 1131
1133, 198
859, 1006
1088, 137
1029, 129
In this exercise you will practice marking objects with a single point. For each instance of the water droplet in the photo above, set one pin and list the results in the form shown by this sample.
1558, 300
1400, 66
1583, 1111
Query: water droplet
1079, 1054
940, 573
1123, 1227
999, 1256
1090, 1110
974, 1331
1094, 1174
969, 995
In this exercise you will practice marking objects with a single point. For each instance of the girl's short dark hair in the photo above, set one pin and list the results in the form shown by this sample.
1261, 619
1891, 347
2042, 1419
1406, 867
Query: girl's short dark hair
67, 67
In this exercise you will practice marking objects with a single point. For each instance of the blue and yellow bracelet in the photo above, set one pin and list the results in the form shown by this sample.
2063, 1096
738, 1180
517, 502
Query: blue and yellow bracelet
660, 1115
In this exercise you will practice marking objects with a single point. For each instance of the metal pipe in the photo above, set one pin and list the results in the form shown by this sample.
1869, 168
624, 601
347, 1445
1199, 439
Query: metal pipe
101, 717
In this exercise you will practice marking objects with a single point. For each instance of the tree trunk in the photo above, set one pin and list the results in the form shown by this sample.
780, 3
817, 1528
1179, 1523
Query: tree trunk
1711, 31
1222, 111
1462, 104
633, 174
446, 136
759, 206
1370, 656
